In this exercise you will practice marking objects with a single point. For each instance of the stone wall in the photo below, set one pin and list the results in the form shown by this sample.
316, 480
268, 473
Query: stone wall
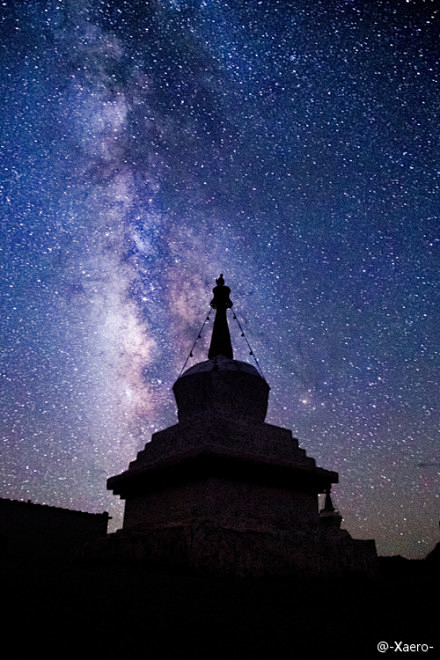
203, 549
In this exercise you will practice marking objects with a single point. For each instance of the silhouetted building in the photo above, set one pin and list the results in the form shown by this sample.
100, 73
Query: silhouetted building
433, 557
29, 530
224, 492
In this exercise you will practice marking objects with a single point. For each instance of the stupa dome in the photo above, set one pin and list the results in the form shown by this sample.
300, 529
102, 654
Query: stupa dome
222, 387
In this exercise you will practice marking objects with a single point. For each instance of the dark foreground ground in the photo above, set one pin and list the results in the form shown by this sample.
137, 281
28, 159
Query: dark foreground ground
115, 610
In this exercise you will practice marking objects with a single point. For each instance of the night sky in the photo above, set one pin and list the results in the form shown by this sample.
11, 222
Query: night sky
147, 147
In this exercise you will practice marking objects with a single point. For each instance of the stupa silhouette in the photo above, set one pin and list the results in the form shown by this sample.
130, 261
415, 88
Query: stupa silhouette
224, 492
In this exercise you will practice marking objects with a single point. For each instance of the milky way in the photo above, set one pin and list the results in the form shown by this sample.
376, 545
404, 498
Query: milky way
146, 147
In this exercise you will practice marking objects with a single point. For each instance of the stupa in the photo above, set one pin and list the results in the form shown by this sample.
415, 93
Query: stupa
224, 492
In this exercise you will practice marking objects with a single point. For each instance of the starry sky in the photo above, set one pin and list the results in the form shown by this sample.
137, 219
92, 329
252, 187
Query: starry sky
147, 147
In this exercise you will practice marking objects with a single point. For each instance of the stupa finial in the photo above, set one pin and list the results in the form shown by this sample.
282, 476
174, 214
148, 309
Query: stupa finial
221, 340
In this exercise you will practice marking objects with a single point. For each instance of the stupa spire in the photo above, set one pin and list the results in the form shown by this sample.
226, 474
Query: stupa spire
328, 505
221, 339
